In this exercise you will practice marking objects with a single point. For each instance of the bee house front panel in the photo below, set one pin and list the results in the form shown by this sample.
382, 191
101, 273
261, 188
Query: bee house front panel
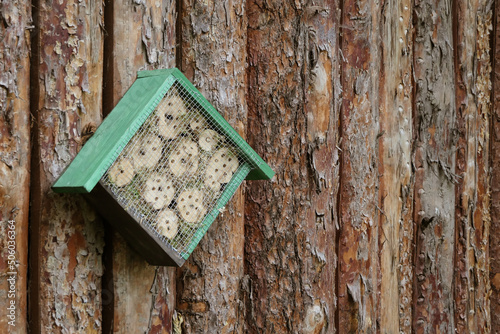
172, 171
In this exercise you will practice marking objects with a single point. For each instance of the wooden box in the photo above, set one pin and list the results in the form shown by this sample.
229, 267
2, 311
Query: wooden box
162, 166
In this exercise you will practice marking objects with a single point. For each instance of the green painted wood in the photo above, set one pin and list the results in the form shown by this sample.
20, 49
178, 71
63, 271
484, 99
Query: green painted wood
261, 170
102, 149
130, 113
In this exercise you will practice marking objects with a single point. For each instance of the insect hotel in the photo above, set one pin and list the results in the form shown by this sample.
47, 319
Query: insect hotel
162, 166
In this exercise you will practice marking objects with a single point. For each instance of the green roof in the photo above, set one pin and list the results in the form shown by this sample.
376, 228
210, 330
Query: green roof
104, 147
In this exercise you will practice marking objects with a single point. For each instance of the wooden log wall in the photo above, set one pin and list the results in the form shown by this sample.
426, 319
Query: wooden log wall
140, 35
15, 26
380, 119
494, 244
212, 42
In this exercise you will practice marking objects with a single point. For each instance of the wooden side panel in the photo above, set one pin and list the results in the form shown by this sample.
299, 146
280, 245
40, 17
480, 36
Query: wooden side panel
67, 236
15, 20
473, 88
213, 57
494, 242
141, 36
434, 163
396, 175
359, 211
290, 231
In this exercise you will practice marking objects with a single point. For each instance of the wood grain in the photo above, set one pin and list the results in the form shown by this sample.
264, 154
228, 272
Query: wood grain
359, 184
434, 160
472, 217
395, 168
141, 36
494, 241
67, 243
213, 55
14, 162
291, 222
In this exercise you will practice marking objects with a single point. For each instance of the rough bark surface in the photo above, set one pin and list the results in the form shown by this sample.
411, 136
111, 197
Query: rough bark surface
15, 22
494, 242
141, 36
359, 185
473, 86
290, 231
213, 55
396, 175
67, 235
434, 162
377, 117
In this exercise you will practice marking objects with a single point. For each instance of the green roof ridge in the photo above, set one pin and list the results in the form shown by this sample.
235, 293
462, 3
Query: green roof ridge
111, 137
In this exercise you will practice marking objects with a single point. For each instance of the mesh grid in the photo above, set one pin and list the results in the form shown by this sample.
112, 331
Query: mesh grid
172, 173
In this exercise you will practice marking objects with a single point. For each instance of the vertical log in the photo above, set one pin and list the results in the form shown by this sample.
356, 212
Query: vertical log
396, 177
494, 243
434, 161
359, 211
213, 57
473, 87
140, 298
293, 98
67, 236
14, 163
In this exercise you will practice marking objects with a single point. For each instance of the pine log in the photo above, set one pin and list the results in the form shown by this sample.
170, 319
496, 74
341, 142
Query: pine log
359, 184
494, 242
472, 212
140, 36
213, 55
291, 221
15, 25
395, 169
67, 235
434, 161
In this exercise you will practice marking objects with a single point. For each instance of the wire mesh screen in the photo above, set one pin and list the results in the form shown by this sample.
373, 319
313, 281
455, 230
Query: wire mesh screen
172, 173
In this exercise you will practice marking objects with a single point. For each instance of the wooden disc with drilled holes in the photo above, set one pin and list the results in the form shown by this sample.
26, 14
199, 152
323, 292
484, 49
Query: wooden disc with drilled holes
190, 206
158, 191
167, 223
221, 168
197, 124
147, 152
122, 172
183, 160
208, 140
170, 111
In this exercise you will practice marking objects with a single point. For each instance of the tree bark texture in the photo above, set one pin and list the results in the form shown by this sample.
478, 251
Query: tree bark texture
377, 117
213, 55
472, 213
494, 242
67, 236
141, 35
359, 175
293, 98
14, 161
395, 168
434, 160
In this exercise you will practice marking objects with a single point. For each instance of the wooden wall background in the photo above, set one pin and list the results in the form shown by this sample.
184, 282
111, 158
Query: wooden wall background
380, 118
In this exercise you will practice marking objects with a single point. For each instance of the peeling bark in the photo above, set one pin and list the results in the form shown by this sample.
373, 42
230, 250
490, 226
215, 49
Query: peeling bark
141, 36
434, 161
14, 162
213, 56
67, 236
396, 176
359, 184
374, 115
290, 231
494, 241
473, 87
